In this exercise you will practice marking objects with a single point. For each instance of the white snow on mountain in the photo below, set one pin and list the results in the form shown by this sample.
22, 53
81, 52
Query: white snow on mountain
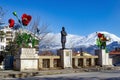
53, 41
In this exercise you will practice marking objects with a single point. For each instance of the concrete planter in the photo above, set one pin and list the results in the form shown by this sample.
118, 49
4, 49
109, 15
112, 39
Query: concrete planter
26, 59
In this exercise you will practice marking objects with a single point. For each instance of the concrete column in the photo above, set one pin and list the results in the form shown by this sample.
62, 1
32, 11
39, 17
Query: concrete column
76, 62
92, 62
40, 63
51, 63
84, 62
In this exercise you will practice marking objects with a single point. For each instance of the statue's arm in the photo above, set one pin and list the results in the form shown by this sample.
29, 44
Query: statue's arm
64, 33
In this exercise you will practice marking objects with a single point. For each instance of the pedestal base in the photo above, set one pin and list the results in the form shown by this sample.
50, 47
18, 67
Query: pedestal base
27, 59
65, 58
103, 58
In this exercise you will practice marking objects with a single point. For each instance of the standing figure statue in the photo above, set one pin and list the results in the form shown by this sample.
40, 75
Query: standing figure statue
63, 37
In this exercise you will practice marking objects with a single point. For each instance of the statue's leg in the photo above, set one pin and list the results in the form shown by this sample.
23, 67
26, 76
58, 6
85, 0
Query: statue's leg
63, 45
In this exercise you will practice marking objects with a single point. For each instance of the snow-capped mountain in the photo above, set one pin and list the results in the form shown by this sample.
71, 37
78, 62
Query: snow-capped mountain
53, 41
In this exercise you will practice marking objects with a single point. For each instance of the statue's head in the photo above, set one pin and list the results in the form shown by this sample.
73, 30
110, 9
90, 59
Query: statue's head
63, 28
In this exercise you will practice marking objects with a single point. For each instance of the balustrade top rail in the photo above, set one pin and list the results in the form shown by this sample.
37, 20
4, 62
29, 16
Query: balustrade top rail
49, 57
58, 57
84, 56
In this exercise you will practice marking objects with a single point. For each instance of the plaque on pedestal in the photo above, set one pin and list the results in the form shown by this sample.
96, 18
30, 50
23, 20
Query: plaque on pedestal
65, 58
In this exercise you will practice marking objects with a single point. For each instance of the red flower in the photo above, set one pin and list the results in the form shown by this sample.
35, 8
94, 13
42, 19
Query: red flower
100, 35
11, 23
26, 19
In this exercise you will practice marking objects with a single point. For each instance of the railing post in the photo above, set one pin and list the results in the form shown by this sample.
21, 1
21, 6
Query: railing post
40, 63
92, 62
51, 63
76, 62
84, 62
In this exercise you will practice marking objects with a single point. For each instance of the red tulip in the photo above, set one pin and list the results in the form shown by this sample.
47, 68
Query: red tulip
100, 35
26, 19
11, 23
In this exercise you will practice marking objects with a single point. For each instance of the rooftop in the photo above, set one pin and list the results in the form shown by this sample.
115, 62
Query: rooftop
115, 52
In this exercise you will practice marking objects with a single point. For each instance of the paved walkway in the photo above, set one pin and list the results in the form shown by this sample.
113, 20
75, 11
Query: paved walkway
62, 74
76, 76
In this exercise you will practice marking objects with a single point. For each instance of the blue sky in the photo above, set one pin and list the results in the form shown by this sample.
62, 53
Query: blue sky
80, 17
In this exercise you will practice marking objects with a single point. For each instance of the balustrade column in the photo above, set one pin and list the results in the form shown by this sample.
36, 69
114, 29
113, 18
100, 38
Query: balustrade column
51, 63
92, 62
76, 62
84, 62
40, 63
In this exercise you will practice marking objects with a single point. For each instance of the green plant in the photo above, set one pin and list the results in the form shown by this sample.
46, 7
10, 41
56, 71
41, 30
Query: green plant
24, 39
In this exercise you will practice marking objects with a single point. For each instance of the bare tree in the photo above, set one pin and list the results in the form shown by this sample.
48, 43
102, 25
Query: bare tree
40, 31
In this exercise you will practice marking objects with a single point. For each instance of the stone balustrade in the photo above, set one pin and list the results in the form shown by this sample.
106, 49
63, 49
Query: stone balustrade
54, 61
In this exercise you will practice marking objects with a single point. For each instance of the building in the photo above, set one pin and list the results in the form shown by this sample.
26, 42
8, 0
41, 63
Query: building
6, 35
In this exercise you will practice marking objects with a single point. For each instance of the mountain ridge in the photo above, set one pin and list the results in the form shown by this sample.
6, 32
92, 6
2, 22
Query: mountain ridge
52, 41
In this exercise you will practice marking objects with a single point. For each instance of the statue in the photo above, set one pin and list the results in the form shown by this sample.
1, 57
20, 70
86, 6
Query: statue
63, 37
101, 41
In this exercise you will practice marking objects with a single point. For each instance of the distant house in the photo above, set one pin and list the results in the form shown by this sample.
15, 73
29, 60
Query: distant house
115, 55
46, 53
81, 54
76, 53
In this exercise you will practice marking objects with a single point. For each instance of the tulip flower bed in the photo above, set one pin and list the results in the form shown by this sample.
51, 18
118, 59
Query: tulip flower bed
23, 38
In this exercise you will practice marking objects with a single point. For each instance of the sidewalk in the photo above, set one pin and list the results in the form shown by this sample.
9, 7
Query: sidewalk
23, 74
28, 73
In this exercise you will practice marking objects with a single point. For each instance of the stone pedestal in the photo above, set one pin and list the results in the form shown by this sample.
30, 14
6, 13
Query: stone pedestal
103, 58
65, 58
26, 59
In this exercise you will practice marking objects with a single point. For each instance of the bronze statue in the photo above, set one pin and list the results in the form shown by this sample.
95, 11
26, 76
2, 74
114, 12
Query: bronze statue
63, 37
